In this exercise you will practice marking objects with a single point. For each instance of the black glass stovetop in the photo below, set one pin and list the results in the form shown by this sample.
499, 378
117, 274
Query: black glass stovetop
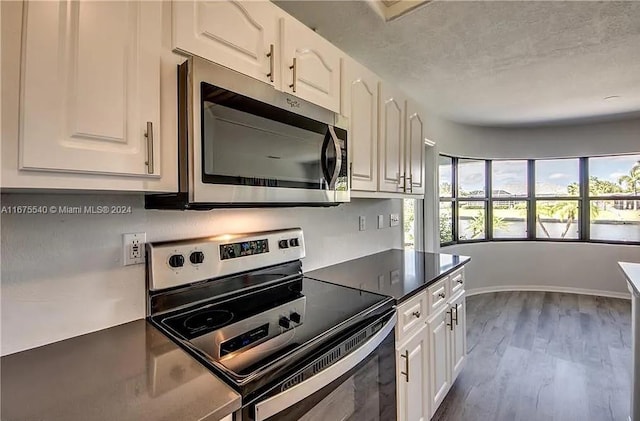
329, 310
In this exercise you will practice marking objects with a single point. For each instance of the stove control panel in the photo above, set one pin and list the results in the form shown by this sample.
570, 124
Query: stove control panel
183, 262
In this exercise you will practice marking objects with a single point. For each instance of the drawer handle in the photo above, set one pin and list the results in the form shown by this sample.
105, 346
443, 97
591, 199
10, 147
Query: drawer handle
295, 75
416, 314
442, 295
406, 365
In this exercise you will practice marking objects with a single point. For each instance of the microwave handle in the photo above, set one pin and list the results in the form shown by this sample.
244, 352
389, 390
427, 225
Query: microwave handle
338, 152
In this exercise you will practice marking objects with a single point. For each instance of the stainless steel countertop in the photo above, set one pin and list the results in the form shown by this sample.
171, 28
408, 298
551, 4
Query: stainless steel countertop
398, 273
632, 273
127, 372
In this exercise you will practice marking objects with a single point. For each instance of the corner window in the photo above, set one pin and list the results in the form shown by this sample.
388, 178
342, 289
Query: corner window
568, 199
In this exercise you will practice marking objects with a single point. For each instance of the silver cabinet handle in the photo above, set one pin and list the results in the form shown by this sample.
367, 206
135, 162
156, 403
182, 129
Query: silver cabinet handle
295, 74
416, 314
450, 313
442, 295
149, 136
404, 181
406, 365
271, 59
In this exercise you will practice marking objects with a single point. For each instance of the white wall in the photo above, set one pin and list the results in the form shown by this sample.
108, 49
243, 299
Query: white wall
549, 265
578, 267
535, 142
62, 275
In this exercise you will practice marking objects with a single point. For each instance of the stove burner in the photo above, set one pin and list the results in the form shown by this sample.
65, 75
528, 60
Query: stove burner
208, 320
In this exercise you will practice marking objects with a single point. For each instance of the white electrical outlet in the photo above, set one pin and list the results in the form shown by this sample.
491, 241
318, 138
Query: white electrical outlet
394, 220
380, 221
363, 223
133, 246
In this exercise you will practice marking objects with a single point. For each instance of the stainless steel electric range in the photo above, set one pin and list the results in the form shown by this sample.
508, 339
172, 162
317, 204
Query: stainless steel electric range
295, 348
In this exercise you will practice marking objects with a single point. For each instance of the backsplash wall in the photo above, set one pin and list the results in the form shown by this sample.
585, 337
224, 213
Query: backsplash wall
62, 275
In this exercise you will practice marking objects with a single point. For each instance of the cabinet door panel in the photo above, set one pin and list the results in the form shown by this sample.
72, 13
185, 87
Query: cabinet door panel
316, 74
459, 337
415, 149
439, 358
391, 150
91, 82
413, 404
360, 105
234, 34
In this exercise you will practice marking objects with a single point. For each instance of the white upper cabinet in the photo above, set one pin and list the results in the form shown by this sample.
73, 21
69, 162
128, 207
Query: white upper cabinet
414, 149
310, 65
240, 35
360, 106
91, 87
391, 143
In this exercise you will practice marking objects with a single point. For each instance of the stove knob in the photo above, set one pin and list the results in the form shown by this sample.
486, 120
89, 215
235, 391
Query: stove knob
294, 242
284, 322
196, 257
283, 244
295, 317
176, 261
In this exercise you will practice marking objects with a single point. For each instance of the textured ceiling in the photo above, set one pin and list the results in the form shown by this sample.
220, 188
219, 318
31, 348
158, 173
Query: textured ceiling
518, 63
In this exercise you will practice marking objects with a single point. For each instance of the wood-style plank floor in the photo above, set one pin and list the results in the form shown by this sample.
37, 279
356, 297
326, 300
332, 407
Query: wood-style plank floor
543, 356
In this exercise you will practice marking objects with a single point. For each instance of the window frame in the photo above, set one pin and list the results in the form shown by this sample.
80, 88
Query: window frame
583, 198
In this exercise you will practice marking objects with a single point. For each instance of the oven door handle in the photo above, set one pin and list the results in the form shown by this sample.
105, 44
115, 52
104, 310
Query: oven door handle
278, 403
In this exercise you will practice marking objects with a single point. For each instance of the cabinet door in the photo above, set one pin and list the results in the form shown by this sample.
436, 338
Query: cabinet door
439, 357
415, 149
238, 35
310, 66
458, 337
412, 379
360, 105
91, 85
391, 143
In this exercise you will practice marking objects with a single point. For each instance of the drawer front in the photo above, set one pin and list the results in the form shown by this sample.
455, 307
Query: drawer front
438, 294
456, 279
411, 316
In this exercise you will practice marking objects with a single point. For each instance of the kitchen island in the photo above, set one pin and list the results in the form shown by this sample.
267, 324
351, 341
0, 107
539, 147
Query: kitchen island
127, 372
632, 273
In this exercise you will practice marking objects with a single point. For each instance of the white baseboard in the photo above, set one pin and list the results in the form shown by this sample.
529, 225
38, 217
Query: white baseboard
548, 288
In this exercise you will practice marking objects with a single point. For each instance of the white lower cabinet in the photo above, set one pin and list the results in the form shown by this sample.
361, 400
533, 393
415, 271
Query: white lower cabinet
413, 377
430, 355
439, 357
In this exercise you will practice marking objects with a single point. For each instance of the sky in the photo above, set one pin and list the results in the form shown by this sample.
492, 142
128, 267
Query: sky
552, 176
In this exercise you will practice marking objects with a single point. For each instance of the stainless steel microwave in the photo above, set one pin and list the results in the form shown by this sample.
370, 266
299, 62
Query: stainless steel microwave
242, 143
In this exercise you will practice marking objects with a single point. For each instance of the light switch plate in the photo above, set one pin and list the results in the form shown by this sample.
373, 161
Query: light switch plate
362, 223
380, 221
394, 219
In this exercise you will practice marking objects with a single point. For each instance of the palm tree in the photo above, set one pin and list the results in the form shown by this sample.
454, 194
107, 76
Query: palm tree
565, 210
631, 182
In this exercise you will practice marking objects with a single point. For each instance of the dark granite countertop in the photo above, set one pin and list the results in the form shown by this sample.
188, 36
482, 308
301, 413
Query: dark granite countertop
127, 372
397, 273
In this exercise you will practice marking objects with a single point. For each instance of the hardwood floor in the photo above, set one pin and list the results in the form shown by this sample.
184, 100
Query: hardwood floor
543, 356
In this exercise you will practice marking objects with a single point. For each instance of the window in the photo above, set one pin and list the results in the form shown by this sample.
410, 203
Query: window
508, 187
445, 187
614, 198
557, 179
409, 221
586, 199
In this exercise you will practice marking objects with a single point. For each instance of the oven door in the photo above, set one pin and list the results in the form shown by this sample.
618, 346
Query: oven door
360, 386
